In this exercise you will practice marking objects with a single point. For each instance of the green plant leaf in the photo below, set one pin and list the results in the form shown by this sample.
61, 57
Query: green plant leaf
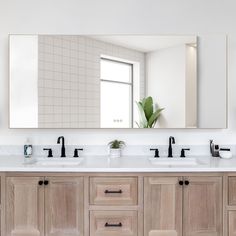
116, 144
148, 117
143, 121
153, 119
142, 102
148, 107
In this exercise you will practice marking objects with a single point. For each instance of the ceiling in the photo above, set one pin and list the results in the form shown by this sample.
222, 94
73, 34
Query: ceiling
147, 43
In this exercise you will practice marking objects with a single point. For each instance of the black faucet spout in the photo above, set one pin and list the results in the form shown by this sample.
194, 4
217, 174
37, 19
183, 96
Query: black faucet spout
171, 141
61, 140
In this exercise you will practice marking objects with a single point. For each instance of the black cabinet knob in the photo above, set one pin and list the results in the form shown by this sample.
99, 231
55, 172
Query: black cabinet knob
186, 182
181, 182
46, 182
40, 182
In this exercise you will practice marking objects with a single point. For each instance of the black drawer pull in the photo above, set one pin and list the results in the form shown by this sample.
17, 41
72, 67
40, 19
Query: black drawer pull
186, 182
40, 182
46, 182
113, 225
181, 182
113, 191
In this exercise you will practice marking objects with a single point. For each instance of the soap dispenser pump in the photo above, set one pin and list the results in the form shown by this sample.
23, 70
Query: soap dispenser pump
28, 151
214, 149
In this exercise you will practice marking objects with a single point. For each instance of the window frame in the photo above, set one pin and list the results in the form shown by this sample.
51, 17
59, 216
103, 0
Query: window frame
131, 83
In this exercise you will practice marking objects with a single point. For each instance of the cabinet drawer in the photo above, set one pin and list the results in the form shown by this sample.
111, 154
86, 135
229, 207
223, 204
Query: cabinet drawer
113, 223
113, 191
232, 190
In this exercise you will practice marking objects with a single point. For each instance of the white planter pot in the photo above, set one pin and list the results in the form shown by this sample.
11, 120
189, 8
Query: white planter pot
115, 152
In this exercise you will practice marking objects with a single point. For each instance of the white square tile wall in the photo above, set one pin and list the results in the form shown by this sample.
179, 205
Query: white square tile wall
69, 79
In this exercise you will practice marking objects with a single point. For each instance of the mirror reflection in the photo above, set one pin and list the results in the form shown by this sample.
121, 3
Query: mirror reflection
117, 81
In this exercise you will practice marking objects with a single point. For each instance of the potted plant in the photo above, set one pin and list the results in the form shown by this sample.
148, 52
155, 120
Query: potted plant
147, 113
115, 147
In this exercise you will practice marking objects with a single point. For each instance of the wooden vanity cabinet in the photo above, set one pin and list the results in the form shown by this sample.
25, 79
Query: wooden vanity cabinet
24, 206
232, 190
50, 206
113, 223
232, 223
64, 206
231, 204
113, 191
192, 207
162, 206
116, 204
203, 207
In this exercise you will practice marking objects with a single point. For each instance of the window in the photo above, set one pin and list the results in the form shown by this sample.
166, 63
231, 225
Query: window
116, 94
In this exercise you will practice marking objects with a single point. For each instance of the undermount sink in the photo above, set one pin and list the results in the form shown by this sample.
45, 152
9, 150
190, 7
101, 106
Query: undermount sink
188, 161
54, 161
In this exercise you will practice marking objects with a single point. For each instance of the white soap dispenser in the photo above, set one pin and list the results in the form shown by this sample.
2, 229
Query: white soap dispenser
28, 151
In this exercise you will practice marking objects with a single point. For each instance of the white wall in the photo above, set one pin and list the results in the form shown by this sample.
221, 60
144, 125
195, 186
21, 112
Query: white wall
24, 75
113, 17
212, 107
191, 86
165, 73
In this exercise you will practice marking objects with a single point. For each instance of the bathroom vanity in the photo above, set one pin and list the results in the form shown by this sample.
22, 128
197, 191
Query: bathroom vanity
129, 196
75, 81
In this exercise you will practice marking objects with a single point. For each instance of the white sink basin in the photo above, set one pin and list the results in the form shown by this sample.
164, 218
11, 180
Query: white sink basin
175, 161
54, 161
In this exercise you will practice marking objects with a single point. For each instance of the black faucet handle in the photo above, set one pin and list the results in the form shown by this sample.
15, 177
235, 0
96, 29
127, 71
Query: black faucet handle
172, 139
183, 151
156, 151
76, 151
49, 151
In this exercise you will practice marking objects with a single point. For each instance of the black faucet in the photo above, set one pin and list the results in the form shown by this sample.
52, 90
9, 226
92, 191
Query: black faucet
63, 150
171, 141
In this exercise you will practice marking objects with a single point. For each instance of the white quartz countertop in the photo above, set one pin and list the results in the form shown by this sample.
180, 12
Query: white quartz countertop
123, 164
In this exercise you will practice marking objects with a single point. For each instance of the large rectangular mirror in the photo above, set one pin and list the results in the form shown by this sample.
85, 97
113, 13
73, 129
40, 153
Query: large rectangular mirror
104, 81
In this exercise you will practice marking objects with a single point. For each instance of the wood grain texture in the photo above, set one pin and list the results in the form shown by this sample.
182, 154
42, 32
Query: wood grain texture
127, 186
155, 200
225, 203
128, 219
232, 190
203, 215
3, 203
232, 223
24, 207
162, 206
86, 206
64, 206
140, 205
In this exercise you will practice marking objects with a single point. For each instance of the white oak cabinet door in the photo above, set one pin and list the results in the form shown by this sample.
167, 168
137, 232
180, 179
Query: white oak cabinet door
24, 206
232, 223
162, 206
64, 206
203, 206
